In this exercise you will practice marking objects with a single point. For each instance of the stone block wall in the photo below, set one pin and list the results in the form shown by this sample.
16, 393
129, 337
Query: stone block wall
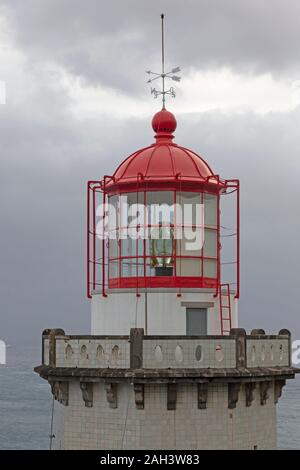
156, 427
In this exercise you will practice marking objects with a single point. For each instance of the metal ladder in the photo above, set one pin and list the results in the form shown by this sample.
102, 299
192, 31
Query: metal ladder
225, 309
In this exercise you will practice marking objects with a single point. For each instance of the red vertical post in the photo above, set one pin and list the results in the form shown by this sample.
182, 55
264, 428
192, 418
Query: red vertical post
178, 175
237, 296
119, 232
137, 238
94, 238
145, 231
218, 241
175, 235
203, 232
88, 243
103, 238
229, 306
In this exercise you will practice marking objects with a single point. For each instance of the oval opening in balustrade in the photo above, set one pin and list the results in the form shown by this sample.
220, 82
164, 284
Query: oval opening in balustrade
69, 352
115, 352
178, 353
272, 352
100, 353
198, 353
83, 352
263, 352
280, 352
158, 353
253, 354
219, 355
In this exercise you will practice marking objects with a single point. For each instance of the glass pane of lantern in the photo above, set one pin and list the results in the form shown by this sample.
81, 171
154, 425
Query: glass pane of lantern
139, 246
150, 271
131, 197
160, 244
160, 207
189, 267
140, 267
191, 242
113, 213
190, 210
128, 247
114, 269
162, 248
128, 267
210, 210
134, 215
188, 198
130, 230
132, 247
160, 197
209, 268
210, 243
113, 247
132, 267
123, 210
127, 214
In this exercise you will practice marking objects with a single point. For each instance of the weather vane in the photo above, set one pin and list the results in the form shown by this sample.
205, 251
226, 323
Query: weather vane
163, 75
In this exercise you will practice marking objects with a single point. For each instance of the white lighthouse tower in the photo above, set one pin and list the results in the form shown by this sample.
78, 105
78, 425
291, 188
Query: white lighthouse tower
165, 366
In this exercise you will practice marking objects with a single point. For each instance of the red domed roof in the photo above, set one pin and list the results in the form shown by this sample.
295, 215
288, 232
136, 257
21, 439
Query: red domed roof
163, 161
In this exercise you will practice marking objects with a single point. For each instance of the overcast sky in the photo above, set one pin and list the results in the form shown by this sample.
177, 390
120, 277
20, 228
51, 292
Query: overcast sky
77, 104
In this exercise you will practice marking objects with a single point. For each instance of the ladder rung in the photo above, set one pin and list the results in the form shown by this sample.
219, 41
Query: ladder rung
224, 296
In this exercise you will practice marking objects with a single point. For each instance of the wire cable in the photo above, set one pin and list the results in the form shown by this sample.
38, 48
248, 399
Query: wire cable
51, 435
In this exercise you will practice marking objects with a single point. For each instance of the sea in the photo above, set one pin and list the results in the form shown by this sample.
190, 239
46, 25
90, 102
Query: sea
26, 402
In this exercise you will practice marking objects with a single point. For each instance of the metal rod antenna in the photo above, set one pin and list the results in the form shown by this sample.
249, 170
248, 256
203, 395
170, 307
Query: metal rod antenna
172, 74
163, 59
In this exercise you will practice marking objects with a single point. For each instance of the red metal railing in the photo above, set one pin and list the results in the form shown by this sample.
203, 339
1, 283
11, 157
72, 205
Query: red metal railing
98, 250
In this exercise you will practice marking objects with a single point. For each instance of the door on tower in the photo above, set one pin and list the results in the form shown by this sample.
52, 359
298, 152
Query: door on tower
196, 321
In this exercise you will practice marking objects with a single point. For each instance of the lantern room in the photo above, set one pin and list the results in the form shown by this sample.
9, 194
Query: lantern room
159, 223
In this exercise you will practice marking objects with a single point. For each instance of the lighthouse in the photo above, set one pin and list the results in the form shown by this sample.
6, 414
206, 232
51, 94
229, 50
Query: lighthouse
166, 365
154, 243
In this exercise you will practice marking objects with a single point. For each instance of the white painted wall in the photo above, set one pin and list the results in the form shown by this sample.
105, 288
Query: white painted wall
120, 311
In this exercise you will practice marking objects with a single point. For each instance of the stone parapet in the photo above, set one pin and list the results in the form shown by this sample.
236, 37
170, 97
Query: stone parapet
137, 351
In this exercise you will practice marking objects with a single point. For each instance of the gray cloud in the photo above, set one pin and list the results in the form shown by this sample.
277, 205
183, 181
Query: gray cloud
263, 153
112, 43
47, 155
